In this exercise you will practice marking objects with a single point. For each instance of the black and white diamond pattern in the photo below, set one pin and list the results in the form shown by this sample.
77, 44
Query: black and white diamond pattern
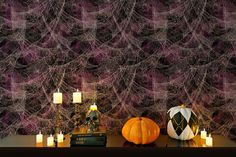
179, 123
182, 123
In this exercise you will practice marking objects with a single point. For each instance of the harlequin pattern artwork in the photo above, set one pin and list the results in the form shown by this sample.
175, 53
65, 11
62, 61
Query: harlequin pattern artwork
182, 123
132, 57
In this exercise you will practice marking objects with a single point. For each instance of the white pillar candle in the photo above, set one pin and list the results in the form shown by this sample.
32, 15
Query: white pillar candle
209, 141
77, 97
203, 134
50, 141
93, 107
57, 97
39, 138
60, 137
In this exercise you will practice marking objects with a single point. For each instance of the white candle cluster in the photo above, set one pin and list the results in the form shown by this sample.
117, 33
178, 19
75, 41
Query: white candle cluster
209, 139
50, 139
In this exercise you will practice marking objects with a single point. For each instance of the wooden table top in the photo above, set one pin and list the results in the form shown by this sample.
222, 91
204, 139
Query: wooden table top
118, 141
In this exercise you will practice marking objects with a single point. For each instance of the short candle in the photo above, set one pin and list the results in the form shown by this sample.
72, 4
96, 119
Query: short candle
209, 140
57, 97
203, 134
60, 137
93, 107
50, 141
77, 97
39, 138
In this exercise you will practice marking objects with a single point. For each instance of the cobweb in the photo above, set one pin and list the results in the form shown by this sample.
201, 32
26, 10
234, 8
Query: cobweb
133, 58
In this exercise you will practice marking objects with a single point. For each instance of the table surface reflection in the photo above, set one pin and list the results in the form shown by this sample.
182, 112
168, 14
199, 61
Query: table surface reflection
118, 141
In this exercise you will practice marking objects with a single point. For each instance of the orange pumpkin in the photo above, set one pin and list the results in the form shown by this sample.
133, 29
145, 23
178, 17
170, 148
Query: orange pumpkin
140, 130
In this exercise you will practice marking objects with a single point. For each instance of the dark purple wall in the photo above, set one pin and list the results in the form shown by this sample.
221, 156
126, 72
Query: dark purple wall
132, 57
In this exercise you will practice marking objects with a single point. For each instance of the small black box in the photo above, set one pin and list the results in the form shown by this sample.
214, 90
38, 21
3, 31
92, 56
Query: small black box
88, 139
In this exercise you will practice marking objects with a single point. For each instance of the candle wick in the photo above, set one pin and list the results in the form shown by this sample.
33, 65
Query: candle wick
77, 90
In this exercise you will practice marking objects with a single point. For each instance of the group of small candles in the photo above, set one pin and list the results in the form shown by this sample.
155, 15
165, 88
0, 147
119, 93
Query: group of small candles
50, 139
209, 139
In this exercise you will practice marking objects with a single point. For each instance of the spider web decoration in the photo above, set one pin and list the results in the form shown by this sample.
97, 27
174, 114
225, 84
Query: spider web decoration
133, 57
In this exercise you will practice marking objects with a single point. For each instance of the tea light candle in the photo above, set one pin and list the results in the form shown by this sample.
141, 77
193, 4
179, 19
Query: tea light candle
209, 141
93, 107
57, 97
60, 137
50, 141
203, 134
39, 138
77, 97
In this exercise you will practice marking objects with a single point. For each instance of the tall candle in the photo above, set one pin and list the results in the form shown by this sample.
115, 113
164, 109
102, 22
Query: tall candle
57, 97
93, 107
50, 141
203, 134
39, 138
77, 97
209, 140
60, 137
